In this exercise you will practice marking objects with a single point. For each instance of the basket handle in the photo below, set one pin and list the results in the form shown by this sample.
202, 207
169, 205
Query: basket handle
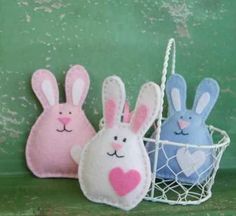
170, 47
171, 43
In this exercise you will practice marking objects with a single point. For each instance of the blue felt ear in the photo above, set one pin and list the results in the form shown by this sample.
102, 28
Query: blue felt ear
206, 97
176, 93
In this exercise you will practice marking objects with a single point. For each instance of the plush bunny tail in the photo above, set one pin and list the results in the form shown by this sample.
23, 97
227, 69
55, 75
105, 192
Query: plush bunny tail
75, 153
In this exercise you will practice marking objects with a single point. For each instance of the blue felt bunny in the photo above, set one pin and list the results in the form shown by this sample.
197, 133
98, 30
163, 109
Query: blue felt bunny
182, 163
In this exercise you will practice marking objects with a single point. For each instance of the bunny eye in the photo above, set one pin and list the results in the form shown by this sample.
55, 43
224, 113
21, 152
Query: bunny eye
181, 117
60, 113
70, 113
124, 140
115, 137
189, 117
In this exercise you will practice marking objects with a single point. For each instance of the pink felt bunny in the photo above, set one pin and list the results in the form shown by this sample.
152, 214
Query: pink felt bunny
60, 126
114, 165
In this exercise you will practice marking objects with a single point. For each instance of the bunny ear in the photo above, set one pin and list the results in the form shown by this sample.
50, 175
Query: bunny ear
113, 97
45, 87
176, 93
206, 97
146, 109
76, 85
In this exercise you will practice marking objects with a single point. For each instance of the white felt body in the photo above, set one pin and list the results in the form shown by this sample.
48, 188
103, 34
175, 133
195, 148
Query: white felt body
114, 166
95, 166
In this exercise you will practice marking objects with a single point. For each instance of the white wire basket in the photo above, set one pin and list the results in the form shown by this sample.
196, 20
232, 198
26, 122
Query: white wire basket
175, 189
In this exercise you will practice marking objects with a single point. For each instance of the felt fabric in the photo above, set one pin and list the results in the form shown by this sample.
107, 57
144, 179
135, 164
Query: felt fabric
60, 126
114, 165
126, 114
124, 182
186, 164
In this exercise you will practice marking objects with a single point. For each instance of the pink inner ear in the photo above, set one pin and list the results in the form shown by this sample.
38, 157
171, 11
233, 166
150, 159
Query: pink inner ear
139, 118
110, 109
126, 113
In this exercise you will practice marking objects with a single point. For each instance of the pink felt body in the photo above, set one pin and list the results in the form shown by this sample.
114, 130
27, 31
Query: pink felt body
60, 126
48, 151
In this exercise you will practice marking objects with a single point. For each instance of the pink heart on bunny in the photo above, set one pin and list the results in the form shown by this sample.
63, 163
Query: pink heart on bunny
124, 182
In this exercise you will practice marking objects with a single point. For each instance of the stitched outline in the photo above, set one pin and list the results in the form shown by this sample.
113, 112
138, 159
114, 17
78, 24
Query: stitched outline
31, 138
38, 93
154, 113
68, 85
31, 142
121, 94
147, 168
146, 176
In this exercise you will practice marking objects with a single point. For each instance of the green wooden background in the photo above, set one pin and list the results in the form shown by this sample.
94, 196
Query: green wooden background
123, 37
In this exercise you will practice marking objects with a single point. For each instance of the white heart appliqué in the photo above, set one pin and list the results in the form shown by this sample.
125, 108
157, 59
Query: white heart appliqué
190, 162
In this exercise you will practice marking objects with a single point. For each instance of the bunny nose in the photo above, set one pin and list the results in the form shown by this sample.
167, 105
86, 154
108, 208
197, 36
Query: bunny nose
64, 120
116, 146
183, 124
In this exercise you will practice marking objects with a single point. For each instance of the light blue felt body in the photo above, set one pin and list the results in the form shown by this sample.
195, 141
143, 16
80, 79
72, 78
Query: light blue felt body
188, 127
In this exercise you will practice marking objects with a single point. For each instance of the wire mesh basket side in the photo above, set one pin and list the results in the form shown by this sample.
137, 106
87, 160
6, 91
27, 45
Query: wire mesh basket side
174, 180
176, 189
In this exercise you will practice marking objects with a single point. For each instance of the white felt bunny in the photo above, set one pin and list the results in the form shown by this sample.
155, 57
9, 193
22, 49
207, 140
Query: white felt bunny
114, 165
